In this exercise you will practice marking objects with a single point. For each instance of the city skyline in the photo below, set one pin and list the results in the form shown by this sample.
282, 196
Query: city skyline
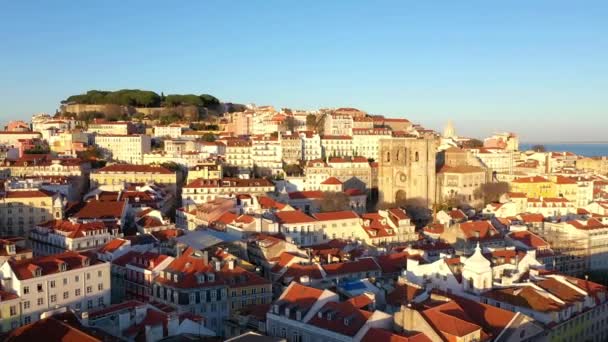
486, 67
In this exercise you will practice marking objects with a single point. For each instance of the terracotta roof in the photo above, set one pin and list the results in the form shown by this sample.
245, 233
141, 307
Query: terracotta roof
100, 210
268, 203
564, 180
529, 239
27, 193
132, 168
403, 294
377, 335
50, 329
362, 265
531, 218
332, 181
336, 215
294, 216
341, 312
525, 297
516, 195
25, 269
73, 229
393, 263
479, 230
303, 297
112, 245
450, 320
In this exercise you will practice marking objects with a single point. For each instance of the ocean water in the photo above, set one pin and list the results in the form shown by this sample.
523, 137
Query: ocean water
581, 149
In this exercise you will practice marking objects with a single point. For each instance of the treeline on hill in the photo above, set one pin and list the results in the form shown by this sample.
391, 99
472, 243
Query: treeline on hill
142, 98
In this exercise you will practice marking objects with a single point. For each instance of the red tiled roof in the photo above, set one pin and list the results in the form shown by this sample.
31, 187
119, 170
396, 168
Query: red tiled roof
268, 203
382, 335
303, 297
100, 210
336, 215
525, 297
341, 312
27, 193
25, 269
112, 245
74, 230
332, 181
393, 263
294, 216
532, 218
359, 266
50, 329
450, 320
478, 230
529, 239
126, 168
403, 294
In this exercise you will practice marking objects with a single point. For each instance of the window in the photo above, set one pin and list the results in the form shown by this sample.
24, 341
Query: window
13, 310
65, 281
88, 276
100, 301
26, 289
76, 278
77, 292
27, 320
26, 304
100, 287
89, 304
40, 301
52, 284
89, 289
40, 288
66, 295
99, 274
53, 298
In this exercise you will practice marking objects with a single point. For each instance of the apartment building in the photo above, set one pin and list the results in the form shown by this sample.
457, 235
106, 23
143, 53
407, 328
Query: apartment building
303, 313
113, 177
311, 146
205, 190
21, 210
338, 124
101, 127
461, 182
534, 187
354, 173
239, 154
124, 148
59, 236
366, 141
207, 170
9, 138
266, 154
291, 148
336, 146
43, 284
172, 131
196, 284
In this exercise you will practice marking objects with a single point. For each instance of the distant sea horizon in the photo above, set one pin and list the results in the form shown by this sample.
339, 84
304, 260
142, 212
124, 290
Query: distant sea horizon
587, 149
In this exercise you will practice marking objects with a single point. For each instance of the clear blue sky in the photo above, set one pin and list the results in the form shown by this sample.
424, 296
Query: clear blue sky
539, 68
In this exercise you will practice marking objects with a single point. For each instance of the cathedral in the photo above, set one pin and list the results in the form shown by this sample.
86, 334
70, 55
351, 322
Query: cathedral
406, 169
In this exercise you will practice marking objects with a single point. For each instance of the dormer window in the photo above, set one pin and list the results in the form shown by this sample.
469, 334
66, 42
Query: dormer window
38, 272
63, 267
86, 262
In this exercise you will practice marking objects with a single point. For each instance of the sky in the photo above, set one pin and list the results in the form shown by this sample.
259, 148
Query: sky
537, 68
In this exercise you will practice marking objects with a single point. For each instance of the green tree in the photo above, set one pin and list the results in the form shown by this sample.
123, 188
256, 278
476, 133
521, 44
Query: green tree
539, 148
334, 201
311, 122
